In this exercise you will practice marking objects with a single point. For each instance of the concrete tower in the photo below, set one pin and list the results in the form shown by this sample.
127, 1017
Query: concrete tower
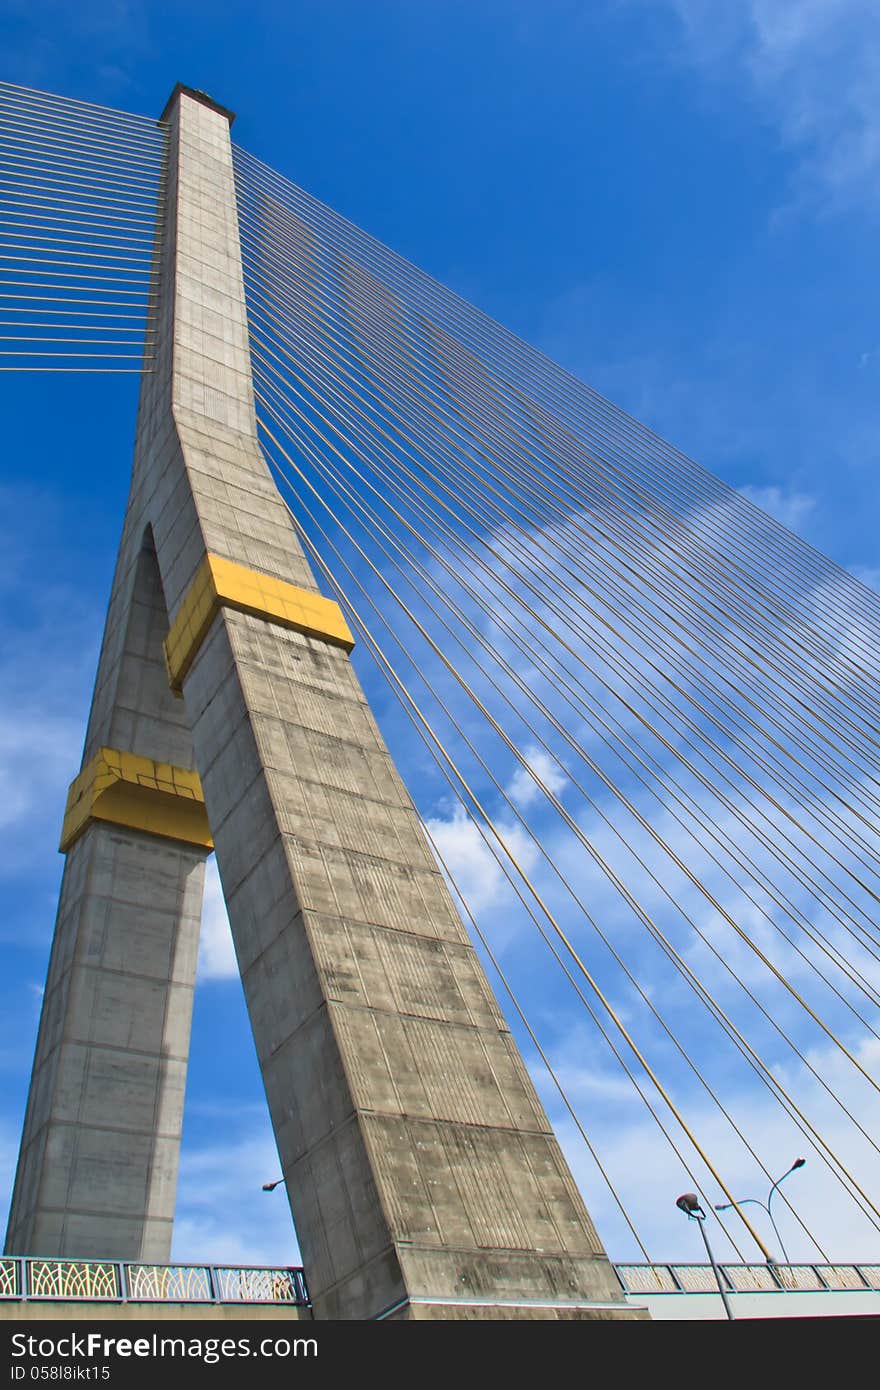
422, 1173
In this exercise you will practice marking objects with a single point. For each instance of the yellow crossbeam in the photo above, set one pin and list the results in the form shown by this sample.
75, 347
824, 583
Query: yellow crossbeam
222, 583
126, 789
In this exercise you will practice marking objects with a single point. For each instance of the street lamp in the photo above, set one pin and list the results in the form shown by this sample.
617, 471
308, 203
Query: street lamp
725, 1206
271, 1186
689, 1203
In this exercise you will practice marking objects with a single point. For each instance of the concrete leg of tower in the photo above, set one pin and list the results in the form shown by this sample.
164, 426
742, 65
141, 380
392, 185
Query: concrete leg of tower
422, 1173
421, 1170
97, 1170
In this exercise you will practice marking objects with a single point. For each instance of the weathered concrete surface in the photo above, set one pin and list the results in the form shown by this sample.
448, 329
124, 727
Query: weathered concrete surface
501, 1312
97, 1171
418, 1159
52, 1310
417, 1155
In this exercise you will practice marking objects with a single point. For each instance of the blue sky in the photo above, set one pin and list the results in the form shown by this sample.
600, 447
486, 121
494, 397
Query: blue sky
679, 205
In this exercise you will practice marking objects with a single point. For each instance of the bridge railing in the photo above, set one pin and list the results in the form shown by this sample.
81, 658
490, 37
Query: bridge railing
122, 1281
744, 1278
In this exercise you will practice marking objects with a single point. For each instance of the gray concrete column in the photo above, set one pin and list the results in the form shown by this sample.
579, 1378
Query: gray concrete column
97, 1171
419, 1162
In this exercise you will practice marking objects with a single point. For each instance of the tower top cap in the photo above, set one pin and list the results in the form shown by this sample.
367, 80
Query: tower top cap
180, 89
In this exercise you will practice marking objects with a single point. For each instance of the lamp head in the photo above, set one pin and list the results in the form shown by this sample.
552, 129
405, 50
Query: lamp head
798, 1163
689, 1203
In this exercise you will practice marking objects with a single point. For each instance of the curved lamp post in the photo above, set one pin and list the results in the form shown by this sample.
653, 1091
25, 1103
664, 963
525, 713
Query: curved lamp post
271, 1186
689, 1203
725, 1206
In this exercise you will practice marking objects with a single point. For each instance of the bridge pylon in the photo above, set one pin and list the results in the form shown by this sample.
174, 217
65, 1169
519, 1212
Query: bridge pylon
423, 1175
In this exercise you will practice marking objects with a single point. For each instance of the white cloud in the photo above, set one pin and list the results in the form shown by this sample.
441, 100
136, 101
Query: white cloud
216, 952
853, 626
813, 68
649, 1176
868, 576
604, 1091
523, 789
39, 750
476, 874
792, 509
46, 672
67, 48
222, 1215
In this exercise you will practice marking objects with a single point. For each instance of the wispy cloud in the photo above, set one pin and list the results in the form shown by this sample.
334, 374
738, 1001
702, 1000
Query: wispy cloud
46, 672
651, 1176
476, 873
813, 68
217, 959
222, 1213
793, 509
868, 576
524, 788
76, 47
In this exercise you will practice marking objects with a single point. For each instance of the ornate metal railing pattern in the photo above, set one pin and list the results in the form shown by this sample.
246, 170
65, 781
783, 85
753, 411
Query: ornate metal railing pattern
9, 1280
741, 1278
169, 1283
112, 1281
243, 1285
92, 1279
